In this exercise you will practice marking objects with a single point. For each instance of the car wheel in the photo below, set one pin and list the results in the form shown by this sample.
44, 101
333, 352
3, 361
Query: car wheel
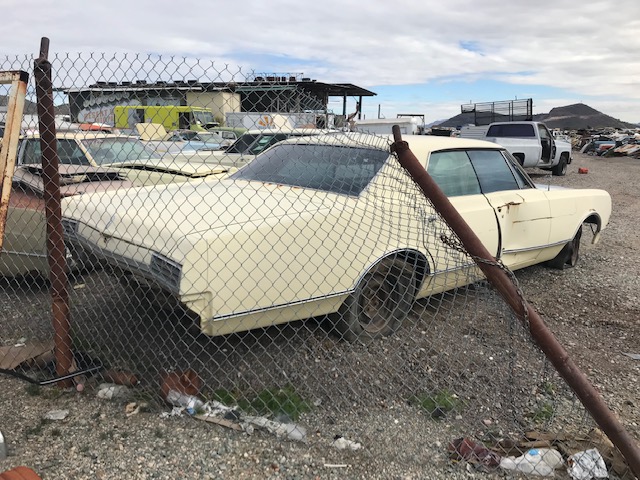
380, 302
569, 255
561, 169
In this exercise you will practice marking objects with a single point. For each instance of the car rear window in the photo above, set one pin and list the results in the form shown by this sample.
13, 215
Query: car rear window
517, 130
332, 168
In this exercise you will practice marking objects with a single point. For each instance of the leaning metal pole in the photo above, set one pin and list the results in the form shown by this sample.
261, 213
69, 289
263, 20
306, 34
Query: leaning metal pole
544, 338
53, 210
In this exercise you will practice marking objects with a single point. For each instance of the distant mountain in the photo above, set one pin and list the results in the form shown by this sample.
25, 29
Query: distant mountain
31, 108
579, 115
571, 117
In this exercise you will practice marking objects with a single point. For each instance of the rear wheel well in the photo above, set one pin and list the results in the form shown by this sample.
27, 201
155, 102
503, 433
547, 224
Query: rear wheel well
416, 261
594, 219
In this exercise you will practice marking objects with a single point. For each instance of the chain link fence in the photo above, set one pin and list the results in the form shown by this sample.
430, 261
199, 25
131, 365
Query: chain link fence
314, 284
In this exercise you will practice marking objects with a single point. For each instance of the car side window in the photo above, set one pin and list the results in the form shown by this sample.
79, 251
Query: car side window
31, 152
453, 172
492, 169
69, 153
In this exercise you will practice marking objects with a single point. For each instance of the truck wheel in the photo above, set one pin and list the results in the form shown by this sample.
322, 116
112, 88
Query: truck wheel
569, 255
560, 170
380, 302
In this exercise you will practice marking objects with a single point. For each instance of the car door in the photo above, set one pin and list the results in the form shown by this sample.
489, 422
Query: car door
453, 172
522, 211
547, 143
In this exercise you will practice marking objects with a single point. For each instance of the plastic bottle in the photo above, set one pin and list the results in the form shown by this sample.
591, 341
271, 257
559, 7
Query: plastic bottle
178, 399
537, 461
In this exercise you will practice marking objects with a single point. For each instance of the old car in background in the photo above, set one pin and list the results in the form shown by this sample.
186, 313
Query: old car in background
89, 162
141, 165
331, 223
199, 140
24, 250
254, 142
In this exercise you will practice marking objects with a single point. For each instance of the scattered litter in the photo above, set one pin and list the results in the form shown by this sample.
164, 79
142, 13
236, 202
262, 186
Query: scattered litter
187, 382
587, 465
134, 408
190, 402
583, 170
175, 412
336, 465
342, 443
230, 417
538, 461
635, 356
79, 286
3, 447
13, 356
111, 391
56, 415
290, 430
223, 422
474, 453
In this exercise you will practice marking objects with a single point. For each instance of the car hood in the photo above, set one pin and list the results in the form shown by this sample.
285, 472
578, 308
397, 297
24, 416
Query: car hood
160, 217
177, 165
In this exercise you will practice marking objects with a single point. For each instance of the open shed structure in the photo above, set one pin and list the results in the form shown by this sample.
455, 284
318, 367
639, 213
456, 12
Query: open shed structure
259, 93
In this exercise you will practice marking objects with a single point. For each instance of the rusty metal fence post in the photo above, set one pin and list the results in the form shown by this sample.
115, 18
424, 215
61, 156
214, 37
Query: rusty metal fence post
55, 238
541, 334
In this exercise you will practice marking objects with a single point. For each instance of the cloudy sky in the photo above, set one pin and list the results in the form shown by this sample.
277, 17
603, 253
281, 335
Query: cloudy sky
426, 56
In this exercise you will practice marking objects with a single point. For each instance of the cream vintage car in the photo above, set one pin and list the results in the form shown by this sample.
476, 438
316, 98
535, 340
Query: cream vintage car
88, 162
140, 164
331, 223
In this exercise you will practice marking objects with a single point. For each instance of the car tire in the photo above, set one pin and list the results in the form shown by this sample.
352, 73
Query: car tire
569, 255
380, 302
560, 170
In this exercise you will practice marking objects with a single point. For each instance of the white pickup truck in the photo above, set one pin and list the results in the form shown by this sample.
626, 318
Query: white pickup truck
531, 143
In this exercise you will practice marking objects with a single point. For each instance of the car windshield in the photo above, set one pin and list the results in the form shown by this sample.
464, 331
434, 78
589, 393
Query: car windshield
332, 168
106, 151
204, 118
255, 143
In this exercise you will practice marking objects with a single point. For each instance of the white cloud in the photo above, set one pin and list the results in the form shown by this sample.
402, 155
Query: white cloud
588, 49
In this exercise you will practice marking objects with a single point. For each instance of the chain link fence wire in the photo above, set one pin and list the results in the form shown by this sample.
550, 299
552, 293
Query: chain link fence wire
283, 286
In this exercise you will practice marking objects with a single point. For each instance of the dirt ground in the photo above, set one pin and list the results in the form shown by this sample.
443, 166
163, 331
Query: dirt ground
452, 343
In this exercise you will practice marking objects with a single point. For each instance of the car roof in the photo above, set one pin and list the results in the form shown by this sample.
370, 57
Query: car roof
422, 144
80, 134
288, 130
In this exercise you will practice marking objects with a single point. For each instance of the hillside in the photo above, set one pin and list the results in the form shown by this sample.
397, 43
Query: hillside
31, 108
570, 117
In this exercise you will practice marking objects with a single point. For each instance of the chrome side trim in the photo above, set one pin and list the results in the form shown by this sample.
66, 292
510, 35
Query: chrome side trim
539, 247
279, 306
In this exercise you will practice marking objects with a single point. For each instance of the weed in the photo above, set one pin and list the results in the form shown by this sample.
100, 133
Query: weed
56, 432
224, 396
33, 390
279, 401
38, 428
548, 388
544, 412
437, 404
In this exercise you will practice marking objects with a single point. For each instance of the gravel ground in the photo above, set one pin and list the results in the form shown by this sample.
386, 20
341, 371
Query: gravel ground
466, 343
